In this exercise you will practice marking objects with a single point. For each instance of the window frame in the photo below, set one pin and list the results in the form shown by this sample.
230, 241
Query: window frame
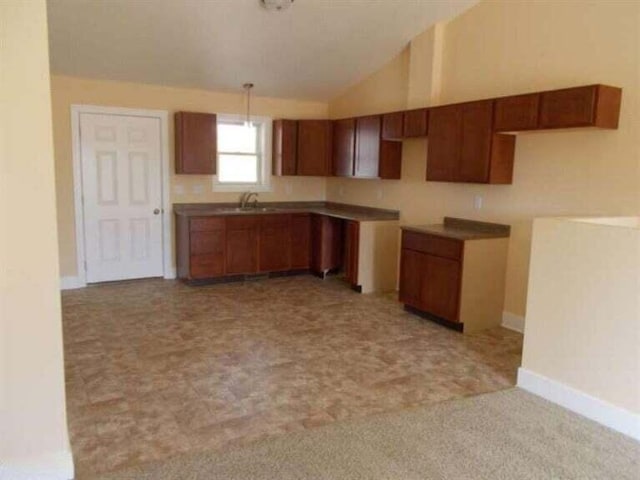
263, 184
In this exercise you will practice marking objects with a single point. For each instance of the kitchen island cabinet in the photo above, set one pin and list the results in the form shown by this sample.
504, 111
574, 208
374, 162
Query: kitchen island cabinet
455, 273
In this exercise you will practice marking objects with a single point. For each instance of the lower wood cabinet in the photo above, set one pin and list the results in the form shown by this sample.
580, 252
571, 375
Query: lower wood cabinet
300, 241
274, 243
460, 282
327, 246
241, 244
351, 251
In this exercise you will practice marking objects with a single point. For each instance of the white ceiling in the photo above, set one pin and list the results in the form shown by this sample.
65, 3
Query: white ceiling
313, 50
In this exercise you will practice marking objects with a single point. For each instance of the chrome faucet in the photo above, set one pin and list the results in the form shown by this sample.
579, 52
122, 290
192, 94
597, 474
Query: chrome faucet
246, 198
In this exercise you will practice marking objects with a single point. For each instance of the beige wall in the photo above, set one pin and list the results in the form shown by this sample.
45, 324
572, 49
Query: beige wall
583, 309
32, 402
67, 91
502, 47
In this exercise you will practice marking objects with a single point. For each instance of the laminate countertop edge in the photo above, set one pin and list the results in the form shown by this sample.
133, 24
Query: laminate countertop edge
342, 211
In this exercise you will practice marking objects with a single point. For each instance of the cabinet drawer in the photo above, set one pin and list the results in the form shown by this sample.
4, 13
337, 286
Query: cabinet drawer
242, 222
207, 265
432, 244
206, 224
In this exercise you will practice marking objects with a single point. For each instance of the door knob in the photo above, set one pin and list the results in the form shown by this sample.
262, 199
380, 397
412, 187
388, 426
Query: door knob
156, 211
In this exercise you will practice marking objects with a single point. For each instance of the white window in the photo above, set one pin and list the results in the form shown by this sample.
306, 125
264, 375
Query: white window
244, 154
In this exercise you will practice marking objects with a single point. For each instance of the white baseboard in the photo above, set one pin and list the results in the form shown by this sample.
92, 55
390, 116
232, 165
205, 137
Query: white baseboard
513, 322
70, 283
605, 413
54, 466
171, 274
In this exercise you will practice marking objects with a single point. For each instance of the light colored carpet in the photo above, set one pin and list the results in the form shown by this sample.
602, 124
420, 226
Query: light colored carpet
504, 435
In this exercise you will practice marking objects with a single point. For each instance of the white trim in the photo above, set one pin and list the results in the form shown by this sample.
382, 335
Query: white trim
71, 283
168, 268
605, 413
53, 466
513, 322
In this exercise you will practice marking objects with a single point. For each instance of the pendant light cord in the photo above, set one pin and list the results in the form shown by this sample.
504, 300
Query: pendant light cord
248, 87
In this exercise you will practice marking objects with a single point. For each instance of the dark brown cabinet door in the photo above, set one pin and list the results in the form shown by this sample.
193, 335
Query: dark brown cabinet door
195, 143
207, 254
411, 273
367, 146
241, 244
392, 126
516, 113
415, 123
440, 288
475, 147
326, 240
344, 136
284, 147
300, 241
274, 243
443, 146
351, 249
314, 147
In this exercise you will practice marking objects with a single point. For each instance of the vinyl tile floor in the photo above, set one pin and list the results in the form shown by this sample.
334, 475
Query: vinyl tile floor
156, 368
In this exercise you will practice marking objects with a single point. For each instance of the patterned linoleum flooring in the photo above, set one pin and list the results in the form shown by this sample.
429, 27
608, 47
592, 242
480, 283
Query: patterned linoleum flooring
155, 368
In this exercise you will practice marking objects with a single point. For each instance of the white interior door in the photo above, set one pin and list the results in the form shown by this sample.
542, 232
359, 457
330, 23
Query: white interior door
122, 196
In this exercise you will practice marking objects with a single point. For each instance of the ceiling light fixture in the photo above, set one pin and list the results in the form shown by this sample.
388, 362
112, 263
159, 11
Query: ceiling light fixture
277, 5
247, 88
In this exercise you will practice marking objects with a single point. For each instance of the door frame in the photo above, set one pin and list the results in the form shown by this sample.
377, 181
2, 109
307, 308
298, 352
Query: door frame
162, 115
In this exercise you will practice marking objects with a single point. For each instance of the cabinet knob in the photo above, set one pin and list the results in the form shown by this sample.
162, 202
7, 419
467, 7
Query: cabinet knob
156, 211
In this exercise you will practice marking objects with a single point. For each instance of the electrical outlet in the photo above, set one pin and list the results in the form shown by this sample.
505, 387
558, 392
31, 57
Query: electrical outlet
197, 189
379, 194
288, 189
477, 202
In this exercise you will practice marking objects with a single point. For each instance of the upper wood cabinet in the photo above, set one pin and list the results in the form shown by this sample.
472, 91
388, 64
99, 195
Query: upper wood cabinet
375, 157
593, 105
314, 148
302, 147
344, 141
463, 148
284, 147
195, 143
415, 123
392, 126
588, 106
516, 113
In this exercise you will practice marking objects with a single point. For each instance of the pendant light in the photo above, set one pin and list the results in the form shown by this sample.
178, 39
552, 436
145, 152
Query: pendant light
247, 88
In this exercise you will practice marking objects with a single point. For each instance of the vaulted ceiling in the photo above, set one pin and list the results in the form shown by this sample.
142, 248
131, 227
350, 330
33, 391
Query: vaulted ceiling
313, 50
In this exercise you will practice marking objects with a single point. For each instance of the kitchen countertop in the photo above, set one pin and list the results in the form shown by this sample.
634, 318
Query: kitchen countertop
462, 229
337, 210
